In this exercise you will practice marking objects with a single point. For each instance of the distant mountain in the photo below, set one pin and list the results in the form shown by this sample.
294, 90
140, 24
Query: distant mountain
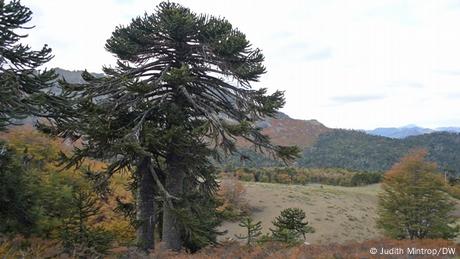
403, 132
449, 129
409, 130
73, 76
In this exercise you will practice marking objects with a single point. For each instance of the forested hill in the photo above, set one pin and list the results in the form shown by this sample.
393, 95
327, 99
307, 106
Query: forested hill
359, 151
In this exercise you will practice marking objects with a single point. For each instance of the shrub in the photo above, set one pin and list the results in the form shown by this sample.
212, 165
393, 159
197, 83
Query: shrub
231, 194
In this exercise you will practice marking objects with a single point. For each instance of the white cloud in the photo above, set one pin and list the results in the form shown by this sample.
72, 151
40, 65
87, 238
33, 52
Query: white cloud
407, 51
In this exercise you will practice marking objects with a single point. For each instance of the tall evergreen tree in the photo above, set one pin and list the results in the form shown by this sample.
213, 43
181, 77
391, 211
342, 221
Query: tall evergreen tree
179, 93
21, 83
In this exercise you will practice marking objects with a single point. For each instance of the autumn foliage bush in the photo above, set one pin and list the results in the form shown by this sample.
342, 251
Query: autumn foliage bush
231, 195
50, 189
415, 202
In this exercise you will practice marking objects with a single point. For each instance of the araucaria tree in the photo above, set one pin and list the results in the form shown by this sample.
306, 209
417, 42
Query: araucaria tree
414, 203
180, 92
20, 81
253, 230
290, 226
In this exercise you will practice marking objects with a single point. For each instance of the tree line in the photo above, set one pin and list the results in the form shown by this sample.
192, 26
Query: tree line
303, 176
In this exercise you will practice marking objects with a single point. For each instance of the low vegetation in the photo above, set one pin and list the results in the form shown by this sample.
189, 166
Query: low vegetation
231, 194
38, 199
292, 175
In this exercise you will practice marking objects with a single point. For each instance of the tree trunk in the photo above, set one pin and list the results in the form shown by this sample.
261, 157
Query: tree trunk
174, 185
145, 206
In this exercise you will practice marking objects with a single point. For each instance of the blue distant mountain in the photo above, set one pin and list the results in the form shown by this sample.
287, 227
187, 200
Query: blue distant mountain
409, 130
449, 129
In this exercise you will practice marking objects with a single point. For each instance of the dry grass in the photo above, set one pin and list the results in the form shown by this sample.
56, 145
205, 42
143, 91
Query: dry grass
338, 214
349, 250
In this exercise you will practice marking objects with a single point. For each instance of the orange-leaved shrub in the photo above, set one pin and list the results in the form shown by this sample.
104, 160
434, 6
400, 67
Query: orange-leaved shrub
231, 195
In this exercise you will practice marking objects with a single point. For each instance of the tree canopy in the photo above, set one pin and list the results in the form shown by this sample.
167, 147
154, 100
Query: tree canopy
21, 83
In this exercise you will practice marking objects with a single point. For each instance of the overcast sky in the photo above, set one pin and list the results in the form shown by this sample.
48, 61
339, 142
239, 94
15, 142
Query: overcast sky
348, 64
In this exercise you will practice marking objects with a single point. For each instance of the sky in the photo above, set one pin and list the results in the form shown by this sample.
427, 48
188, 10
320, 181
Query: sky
349, 64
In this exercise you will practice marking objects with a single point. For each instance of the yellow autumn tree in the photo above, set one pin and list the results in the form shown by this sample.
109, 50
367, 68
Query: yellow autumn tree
414, 203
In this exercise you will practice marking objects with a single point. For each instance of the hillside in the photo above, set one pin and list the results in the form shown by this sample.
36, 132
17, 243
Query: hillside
356, 150
289, 132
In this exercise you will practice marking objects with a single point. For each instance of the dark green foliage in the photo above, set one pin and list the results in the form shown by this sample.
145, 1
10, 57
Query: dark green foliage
414, 203
253, 230
290, 226
197, 213
77, 233
443, 148
18, 199
248, 158
200, 222
21, 84
355, 150
360, 179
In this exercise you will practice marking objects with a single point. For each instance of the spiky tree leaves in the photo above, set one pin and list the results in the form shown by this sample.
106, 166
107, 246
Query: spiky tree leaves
179, 93
253, 230
290, 226
76, 232
414, 203
17, 197
21, 83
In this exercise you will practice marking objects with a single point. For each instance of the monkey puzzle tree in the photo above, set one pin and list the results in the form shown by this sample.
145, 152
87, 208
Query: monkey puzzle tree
290, 226
180, 91
20, 81
253, 230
